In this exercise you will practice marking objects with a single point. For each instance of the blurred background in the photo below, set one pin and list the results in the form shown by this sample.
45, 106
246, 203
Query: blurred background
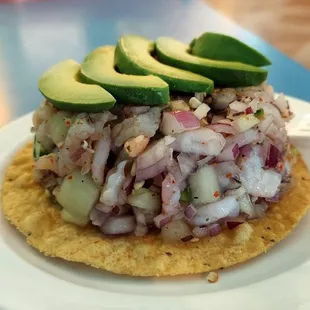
283, 23
34, 35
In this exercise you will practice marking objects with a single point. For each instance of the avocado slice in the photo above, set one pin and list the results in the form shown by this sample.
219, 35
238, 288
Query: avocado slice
223, 47
77, 194
62, 87
133, 55
98, 67
223, 73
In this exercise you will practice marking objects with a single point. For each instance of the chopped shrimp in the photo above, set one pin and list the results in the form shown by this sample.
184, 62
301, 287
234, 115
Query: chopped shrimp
112, 191
102, 151
47, 162
170, 194
146, 124
135, 146
201, 141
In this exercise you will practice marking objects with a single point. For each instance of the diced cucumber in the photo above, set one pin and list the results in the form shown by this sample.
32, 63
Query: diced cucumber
60, 124
38, 149
77, 195
185, 195
67, 217
145, 199
204, 186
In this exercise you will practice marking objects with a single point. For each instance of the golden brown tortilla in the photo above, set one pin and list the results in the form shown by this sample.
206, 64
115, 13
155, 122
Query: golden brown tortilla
26, 206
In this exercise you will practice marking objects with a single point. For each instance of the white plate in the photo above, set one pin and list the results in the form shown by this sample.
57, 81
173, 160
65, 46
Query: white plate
279, 279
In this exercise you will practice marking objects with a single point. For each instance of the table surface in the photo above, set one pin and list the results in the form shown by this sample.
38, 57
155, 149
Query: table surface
36, 35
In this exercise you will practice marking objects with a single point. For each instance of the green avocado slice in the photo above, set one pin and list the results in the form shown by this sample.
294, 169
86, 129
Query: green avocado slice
133, 55
98, 68
223, 47
62, 87
223, 73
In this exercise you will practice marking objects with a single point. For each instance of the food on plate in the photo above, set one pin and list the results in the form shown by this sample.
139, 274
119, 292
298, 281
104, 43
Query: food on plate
180, 185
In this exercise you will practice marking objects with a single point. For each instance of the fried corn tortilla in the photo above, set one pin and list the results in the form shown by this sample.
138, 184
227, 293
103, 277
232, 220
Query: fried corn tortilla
26, 205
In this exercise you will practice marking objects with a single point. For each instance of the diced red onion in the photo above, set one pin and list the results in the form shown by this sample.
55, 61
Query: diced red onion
233, 222
187, 238
128, 185
232, 225
214, 229
190, 212
223, 128
174, 122
246, 150
116, 225
120, 210
273, 157
162, 220
230, 152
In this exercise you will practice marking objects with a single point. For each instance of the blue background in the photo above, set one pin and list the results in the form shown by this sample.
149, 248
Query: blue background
36, 35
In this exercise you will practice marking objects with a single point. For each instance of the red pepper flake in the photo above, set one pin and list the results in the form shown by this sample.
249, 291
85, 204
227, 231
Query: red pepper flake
280, 166
203, 142
60, 147
216, 194
70, 177
173, 181
228, 175
68, 123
